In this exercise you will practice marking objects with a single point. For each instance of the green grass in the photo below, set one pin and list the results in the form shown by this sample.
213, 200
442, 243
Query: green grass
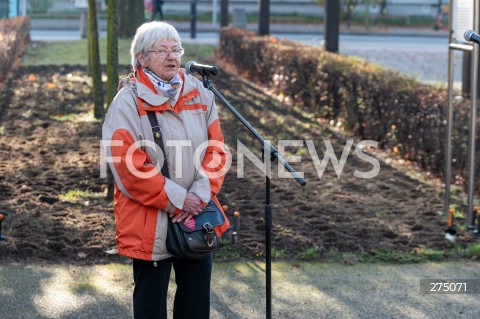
72, 117
75, 52
280, 253
473, 250
419, 255
227, 252
75, 117
71, 52
310, 253
382, 255
388, 256
75, 196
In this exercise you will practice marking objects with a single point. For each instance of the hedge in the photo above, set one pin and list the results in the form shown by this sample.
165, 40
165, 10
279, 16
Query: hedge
14, 36
405, 116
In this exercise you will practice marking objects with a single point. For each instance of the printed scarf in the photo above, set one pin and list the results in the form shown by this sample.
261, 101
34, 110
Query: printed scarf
168, 89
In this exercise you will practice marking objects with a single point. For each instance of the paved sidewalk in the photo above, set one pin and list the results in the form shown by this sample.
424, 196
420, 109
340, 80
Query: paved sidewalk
300, 291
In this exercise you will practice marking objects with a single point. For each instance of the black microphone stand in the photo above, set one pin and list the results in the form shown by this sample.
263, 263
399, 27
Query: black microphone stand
268, 149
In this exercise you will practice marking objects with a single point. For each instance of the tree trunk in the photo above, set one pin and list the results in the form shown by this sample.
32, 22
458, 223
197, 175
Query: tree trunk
112, 68
112, 51
94, 61
131, 16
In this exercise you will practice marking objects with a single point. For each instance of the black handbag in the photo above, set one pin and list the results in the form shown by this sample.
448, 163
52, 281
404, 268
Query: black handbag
195, 239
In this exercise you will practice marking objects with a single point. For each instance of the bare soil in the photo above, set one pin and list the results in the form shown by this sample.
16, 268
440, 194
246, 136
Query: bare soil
43, 157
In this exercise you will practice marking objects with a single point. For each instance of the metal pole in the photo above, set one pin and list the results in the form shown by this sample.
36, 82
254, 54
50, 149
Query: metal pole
466, 73
332, 25
367, 15
193, 19
223, 13
214, 13
268, 244
473, 118
448, 131
264, 18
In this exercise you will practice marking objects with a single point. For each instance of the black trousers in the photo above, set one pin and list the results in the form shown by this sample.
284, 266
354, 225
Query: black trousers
192, 299
157, 8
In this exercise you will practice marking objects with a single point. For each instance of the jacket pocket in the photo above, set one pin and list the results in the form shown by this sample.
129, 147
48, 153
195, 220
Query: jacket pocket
149, 227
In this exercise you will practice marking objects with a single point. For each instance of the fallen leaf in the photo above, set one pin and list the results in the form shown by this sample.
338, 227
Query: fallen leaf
32, 77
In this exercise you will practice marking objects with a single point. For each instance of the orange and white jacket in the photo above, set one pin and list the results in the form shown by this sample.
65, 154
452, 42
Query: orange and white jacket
143, 196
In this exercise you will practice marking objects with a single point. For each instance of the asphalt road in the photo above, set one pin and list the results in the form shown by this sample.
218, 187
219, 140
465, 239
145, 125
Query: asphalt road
300, 291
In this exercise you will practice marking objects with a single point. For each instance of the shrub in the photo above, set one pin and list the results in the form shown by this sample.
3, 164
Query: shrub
402, 114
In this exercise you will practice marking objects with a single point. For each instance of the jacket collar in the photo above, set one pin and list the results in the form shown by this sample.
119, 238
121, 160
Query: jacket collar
146, 91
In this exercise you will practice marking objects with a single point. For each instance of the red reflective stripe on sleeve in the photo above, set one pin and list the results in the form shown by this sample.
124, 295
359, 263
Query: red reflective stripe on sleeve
215, 158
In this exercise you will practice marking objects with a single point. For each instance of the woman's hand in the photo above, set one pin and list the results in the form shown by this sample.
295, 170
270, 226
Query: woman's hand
193, 204
191, 208
181, 216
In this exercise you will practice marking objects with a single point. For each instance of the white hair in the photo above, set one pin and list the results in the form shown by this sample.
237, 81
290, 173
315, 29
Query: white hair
149, 33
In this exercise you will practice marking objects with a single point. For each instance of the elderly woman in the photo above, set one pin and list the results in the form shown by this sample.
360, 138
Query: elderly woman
144, 197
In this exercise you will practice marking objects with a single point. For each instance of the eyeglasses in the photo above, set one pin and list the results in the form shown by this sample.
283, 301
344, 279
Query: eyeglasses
163, 53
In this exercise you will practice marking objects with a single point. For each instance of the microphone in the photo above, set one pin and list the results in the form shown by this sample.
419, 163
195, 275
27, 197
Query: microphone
470, 35
202, 69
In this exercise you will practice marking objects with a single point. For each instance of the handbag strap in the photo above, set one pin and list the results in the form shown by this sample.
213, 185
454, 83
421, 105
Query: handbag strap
157, 137
152, 117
